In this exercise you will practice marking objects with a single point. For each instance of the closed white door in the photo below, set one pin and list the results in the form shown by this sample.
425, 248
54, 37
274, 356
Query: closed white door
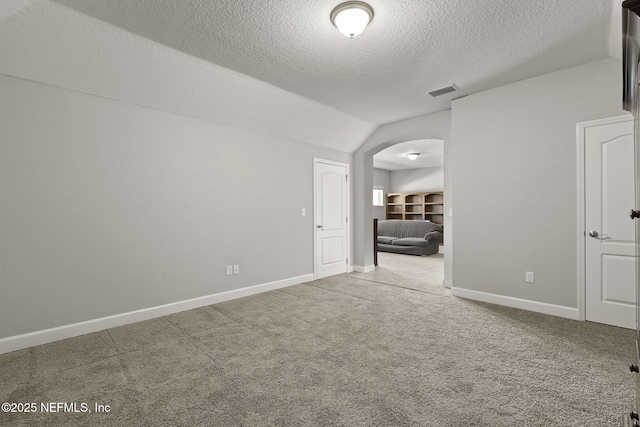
331, 221
610, 233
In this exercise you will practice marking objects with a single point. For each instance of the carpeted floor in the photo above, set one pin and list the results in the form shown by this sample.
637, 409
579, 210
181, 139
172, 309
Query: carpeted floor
389, 348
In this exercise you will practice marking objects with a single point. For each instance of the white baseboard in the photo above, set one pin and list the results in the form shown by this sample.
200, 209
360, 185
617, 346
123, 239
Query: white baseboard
45, 336
365, 269
538, 307
447, 283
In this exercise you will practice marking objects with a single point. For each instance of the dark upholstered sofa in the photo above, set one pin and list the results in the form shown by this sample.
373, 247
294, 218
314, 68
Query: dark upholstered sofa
409, 237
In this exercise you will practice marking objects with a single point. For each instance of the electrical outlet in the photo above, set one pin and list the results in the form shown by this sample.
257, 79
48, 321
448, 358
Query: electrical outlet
229, 270
236, 269
528, 277
304, 212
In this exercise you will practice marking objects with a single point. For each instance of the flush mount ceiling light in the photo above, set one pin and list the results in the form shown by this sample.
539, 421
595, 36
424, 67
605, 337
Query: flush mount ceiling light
413, 156
351, 17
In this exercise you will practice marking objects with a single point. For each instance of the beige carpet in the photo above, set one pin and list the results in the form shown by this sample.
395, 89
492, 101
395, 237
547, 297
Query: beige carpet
388, 348
422, 273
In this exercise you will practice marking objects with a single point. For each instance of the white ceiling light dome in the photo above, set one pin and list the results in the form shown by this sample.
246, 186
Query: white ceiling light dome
351, 17
413, 156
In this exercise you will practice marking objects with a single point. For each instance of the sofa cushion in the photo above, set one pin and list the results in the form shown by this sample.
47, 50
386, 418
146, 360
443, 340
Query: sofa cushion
386, 239
411, 241
400, 228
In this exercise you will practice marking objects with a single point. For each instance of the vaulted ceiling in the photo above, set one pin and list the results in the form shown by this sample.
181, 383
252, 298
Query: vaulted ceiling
279, 66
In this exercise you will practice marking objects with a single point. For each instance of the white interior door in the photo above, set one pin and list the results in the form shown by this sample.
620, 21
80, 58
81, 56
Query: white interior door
610, 233
331, 220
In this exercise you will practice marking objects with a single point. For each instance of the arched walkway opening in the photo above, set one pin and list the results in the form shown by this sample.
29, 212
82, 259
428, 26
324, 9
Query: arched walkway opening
412, 168
431, 126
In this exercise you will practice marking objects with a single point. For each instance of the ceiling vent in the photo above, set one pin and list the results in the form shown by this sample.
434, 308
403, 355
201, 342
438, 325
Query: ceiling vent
443, 90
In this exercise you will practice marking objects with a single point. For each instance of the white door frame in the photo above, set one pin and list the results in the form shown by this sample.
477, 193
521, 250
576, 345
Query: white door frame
317, 160
581, 231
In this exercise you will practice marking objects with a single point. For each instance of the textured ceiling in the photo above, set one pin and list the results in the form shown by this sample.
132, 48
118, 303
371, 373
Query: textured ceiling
321, 87
381, 76
395, 157
44, 41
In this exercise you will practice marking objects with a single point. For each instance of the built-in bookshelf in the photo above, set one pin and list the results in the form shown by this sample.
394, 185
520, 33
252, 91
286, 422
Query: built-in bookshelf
427, 206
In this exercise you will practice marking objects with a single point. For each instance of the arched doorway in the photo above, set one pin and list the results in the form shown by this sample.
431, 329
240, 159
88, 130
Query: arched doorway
430, 126
412, 172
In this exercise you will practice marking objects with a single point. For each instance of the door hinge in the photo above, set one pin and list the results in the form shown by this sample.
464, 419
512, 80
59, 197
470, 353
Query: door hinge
346, 178
347, 261
346, 219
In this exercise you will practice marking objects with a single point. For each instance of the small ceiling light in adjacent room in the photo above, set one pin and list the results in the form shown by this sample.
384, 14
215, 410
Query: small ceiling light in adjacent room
413, 156
351, 17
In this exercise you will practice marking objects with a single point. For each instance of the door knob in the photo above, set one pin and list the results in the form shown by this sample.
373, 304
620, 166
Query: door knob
634, 214
593, 233
319, 226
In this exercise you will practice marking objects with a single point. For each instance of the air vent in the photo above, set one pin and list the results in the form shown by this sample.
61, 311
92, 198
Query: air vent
443, 90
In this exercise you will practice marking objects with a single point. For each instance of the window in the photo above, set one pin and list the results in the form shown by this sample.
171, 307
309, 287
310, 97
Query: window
378, 196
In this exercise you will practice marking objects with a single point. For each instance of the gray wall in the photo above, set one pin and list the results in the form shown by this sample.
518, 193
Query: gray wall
514, 155
107, 207
381, 179
423, 179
